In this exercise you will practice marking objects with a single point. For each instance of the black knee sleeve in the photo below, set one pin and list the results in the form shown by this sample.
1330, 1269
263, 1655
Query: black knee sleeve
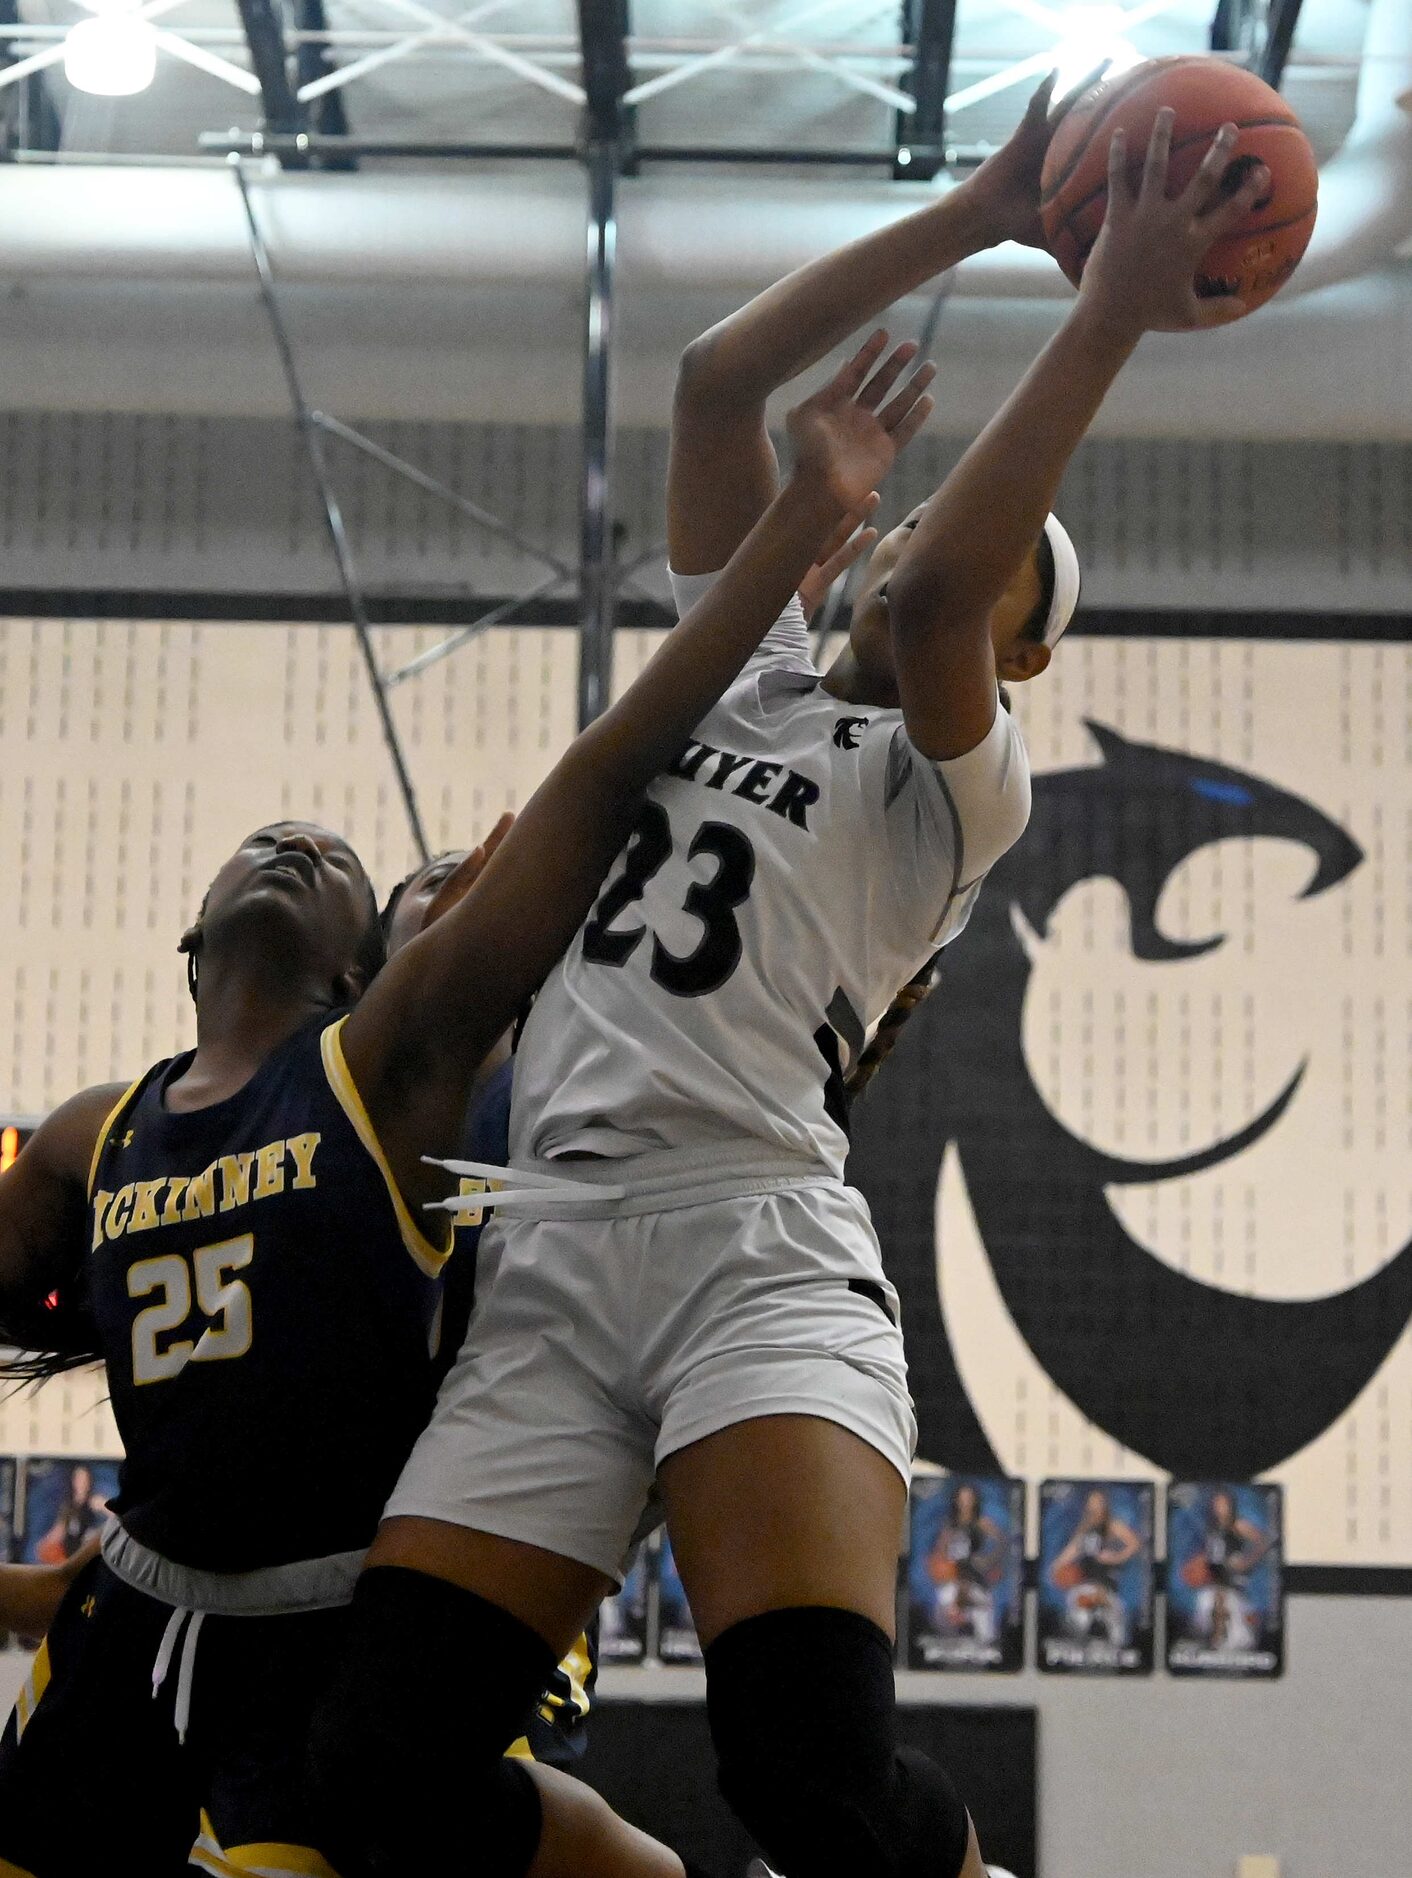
801, 1710
406, 1774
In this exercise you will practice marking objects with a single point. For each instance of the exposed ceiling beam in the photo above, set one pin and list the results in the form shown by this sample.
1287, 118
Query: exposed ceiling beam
263, 21
329, 116
929, 27
603, 37
1279, 37
30, 119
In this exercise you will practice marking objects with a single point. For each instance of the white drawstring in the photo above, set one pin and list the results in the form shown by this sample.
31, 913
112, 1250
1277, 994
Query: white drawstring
167, 1648
534, 1190
188, 1622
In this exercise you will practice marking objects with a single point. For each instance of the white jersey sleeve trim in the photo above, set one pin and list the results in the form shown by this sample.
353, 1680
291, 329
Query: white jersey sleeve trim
786, 643
988, 791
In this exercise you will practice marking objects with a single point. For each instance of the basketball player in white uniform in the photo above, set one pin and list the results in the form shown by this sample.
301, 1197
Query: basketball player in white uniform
696, 1297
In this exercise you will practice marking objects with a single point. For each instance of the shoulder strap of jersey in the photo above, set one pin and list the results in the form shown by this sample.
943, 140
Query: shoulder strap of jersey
429, 1258
120, 1108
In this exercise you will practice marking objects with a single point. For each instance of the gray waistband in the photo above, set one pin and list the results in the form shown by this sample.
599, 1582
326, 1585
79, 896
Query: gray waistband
311, 1584
671, 1178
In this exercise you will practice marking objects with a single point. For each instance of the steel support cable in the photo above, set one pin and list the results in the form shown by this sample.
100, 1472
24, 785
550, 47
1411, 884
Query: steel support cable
333, 515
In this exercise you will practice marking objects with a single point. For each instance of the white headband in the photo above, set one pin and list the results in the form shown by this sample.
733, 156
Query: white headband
1065, 602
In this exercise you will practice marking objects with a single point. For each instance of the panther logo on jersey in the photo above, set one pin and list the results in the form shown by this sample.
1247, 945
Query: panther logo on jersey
845, 732
1206, 1372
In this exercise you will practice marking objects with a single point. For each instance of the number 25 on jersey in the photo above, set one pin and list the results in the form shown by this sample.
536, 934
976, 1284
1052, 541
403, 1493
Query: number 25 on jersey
222, 1299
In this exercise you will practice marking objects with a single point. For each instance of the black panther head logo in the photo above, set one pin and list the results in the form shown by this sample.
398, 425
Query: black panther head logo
1203, 1382
845, 732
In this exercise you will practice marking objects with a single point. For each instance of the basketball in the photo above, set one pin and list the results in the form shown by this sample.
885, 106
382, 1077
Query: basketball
1196, 1573
1067, 1576
1255, 260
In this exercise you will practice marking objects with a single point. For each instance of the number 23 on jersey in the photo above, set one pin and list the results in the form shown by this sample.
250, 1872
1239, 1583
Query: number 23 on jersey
712, 902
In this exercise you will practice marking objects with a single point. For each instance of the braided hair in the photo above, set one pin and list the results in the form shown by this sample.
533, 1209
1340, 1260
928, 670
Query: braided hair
884, 1041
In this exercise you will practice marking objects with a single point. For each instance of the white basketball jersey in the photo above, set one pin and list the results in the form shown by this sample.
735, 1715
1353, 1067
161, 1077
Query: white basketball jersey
795, 866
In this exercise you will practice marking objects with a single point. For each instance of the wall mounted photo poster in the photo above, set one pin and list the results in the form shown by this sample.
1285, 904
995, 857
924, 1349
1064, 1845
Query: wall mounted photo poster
677, 1641
622, 1619
1095, 1577
965, 1574
65, 1501
1225, 1579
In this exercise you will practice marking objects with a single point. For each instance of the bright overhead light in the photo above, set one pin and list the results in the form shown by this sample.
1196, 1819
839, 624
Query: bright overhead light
112, 54
1091, 35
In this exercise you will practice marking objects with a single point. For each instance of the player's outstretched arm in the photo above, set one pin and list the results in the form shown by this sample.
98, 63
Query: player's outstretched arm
416, 1036
30, 1595
43, 1236
975, 533
722, 473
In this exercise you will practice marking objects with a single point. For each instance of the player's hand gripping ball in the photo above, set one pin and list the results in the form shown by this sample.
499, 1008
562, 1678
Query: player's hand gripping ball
1252, 262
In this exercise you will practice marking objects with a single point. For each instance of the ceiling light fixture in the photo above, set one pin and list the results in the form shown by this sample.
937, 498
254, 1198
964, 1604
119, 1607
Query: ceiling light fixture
113, 55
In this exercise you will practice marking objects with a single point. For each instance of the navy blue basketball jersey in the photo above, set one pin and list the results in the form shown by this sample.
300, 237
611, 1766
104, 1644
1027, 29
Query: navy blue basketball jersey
266, 1305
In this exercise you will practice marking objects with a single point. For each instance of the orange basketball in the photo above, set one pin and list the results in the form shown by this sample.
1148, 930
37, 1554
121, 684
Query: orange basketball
1067, 1576
944, 1571
1196, 1573
1256, 259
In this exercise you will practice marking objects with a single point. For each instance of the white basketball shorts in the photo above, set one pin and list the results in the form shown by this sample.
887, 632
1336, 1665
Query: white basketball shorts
723, 1287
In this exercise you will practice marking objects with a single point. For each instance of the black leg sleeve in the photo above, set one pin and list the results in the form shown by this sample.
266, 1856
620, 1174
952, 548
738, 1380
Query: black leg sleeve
406, 1774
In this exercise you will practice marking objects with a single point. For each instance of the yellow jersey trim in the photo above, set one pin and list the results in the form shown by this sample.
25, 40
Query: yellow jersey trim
577, 1666
267, 1859
37, 1681
7, 1870
519, 1750
428, 1257
108, 1126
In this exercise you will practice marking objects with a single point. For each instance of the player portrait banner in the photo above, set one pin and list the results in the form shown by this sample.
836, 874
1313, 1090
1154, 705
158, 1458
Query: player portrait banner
63, 1503
1225, 1579
965, 1574
1095, 1577
1138, 1165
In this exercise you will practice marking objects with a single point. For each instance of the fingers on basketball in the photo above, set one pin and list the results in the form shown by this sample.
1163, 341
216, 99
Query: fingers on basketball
1203, 192
1120, 195
1158, 158
1231, 211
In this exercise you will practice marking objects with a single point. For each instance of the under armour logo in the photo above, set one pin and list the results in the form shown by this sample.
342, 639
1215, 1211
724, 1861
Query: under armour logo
127, 1139
89, 1606
845, 732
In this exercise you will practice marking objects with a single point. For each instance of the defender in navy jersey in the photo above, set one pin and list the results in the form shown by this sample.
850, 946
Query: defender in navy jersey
235, 1236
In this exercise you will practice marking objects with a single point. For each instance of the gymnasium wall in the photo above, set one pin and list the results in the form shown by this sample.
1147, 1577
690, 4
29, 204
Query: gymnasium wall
223, 506
134, 753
